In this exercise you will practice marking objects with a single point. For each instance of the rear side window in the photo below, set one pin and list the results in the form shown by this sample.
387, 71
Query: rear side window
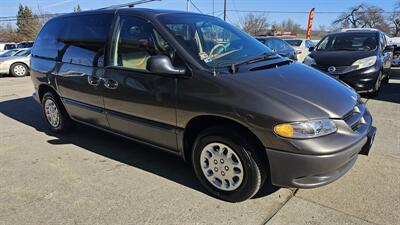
85, 39
47, 44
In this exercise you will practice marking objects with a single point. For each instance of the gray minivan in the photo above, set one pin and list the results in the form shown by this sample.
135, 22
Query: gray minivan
195, 86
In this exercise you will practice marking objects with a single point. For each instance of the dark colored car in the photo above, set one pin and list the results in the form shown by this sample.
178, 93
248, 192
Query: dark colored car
25, 44
361, 58
279, 46
195, 86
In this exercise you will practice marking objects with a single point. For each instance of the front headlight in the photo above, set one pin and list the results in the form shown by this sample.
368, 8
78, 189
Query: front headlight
364, 63
306, 129
309, 61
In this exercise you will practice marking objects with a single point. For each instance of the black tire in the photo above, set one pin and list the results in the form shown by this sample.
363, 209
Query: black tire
254, 164
64, 122
377, 86
19, 70
387, 77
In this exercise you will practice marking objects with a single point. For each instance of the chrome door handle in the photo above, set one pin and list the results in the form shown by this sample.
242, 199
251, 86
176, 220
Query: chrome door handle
93, 80
110, 84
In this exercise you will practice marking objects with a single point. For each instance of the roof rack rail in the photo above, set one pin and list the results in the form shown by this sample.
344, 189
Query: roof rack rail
129, 5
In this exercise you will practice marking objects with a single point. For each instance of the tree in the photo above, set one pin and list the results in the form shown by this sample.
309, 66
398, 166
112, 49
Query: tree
28, 24
394, 20
77, 8
8, 33
254, 24
290, 26
362, 16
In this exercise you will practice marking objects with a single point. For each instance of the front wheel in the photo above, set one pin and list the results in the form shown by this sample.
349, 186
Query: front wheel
227, 165
377, 85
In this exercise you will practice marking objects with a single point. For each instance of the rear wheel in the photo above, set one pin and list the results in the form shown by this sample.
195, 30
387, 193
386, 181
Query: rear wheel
54, 114
227, 165
19, 70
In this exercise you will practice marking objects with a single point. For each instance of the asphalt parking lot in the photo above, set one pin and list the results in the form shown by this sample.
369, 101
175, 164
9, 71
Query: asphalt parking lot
91, 177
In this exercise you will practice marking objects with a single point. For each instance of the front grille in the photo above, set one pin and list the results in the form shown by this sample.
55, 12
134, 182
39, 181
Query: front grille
355, 118
339, 69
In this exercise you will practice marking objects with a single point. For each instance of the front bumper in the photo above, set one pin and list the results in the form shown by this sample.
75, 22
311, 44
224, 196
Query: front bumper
362, 80
289, 169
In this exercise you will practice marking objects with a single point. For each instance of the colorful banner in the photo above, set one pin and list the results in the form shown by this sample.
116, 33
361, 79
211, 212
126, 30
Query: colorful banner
310, 21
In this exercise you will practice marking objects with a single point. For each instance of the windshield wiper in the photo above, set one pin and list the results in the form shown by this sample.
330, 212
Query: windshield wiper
262, 57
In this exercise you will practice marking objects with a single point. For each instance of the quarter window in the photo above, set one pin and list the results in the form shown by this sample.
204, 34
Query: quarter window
85, 39
47, 44
135, 41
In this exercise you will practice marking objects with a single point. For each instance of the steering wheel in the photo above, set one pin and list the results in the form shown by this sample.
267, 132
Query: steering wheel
216, 47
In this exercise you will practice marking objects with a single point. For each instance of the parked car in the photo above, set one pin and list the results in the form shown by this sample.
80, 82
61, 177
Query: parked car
25, 44
200, 88
279, 46
302, 47
396, 56
395, 41
7, 46
9, 53
16, 65
361, 58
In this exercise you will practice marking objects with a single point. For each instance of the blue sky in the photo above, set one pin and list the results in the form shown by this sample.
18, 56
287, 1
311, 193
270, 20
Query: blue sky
10, 7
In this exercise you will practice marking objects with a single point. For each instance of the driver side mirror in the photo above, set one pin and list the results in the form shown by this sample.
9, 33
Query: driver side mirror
161, 64
311, 49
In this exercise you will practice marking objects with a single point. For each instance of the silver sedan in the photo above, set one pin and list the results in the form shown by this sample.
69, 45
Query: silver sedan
16, 65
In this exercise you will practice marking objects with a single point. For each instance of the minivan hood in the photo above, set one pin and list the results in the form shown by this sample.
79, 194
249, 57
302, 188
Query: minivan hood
339, 58
301, 89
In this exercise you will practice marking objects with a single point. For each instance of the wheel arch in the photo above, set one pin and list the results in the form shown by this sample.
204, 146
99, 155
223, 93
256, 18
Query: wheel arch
44, 88
199, 123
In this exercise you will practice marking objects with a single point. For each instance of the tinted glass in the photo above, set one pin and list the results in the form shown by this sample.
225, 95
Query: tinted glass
135, 41
46, 44
9, 46
295, 43
84, 38
23, 53
349, 41
276, 44
8, 53
211, 41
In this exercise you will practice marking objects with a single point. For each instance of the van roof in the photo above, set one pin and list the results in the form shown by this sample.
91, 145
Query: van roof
146, 12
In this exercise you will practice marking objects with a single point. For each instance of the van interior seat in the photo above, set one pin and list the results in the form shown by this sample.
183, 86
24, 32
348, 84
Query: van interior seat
135, 59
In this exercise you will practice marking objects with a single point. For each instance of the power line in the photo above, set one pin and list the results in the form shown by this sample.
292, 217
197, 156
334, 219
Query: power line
301, 12
197, 8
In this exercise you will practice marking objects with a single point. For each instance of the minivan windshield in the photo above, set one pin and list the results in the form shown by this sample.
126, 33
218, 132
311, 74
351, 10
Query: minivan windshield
349, 41
212, 41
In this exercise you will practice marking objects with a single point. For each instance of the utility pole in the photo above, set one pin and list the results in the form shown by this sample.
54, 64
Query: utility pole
224, 10
213, 7
187, 5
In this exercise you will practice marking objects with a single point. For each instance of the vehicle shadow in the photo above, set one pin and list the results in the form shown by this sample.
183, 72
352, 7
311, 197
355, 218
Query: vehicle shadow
27, 111
390, 92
